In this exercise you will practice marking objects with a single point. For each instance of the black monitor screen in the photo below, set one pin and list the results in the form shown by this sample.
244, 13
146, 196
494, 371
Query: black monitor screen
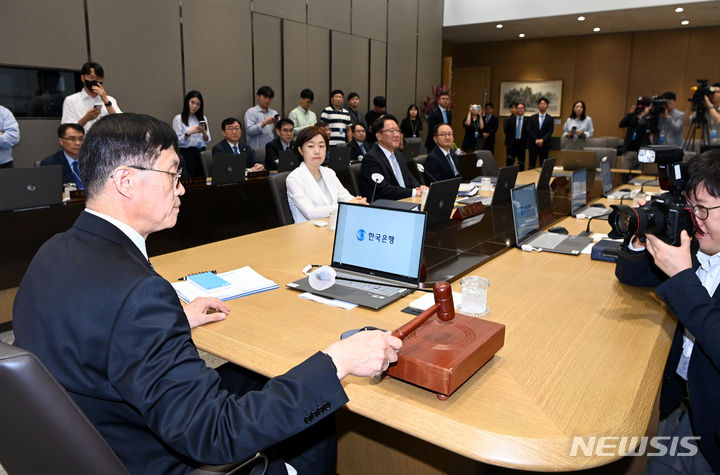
36, 92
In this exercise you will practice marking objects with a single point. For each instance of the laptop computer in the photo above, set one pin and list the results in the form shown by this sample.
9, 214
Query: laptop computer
545, 174
576, 159
339, 158
380, 247
600, 212
578, 191
501, 195
23, 188
228, 169
287, 161
441, 200
526, 222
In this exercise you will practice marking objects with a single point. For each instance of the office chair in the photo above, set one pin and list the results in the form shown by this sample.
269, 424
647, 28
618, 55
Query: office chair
260, 155
412, 147
206, 159
45, 432
489, 165
278, 188
355, 177
412, 165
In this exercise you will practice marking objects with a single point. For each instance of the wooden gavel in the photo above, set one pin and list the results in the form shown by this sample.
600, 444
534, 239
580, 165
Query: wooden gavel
443, 306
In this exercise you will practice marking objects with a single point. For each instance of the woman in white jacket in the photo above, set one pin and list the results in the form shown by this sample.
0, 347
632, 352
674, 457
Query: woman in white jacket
313, 190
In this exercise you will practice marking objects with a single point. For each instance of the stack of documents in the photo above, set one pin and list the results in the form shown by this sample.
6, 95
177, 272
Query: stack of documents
229, 285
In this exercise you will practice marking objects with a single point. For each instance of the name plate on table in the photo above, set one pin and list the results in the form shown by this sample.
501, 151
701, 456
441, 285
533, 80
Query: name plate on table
468, 211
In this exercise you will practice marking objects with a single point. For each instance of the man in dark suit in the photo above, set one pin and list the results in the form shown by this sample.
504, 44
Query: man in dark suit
284, 129
540, 129
116, 337
491, 126
232, 131
358, 146
385, 159
71, 137
441, 163
440, 115
516, 137
686, 279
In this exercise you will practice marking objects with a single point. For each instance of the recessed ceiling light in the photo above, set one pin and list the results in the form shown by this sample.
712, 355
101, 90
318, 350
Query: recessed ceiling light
679, 10
499, 25
685, 22
581, 18
596, 29
522, 35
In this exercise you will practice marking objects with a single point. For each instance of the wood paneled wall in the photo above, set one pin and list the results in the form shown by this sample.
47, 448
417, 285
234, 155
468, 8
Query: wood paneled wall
607, 71
227, 49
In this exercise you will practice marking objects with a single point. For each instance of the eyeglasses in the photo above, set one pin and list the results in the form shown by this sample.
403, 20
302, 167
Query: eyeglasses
175, 175
702, 212
233, 129
445, 134
390, 131
74, 139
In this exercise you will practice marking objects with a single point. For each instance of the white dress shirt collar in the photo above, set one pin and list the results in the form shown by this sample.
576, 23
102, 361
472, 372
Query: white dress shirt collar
133, 235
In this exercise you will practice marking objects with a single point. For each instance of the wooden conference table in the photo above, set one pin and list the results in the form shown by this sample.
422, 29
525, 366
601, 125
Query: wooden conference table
583, 356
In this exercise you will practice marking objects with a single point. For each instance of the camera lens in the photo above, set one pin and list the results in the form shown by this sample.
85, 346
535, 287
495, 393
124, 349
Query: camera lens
624, 220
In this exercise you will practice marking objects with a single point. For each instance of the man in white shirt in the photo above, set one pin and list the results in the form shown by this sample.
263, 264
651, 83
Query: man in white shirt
260, 120
92, 102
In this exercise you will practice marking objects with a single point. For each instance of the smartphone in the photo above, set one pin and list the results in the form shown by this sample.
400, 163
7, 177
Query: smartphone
203, 124
98, 106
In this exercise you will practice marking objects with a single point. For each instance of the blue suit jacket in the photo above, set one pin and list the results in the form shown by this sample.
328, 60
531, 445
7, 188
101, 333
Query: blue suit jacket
116, 337
223, 148
437, 167
699, 313
59, 159
375, 162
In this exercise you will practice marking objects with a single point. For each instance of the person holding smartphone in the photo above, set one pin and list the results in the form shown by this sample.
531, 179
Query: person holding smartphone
577, 127
92, 102
193, 135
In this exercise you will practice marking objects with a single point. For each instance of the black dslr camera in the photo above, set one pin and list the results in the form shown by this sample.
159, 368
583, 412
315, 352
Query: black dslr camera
665, 215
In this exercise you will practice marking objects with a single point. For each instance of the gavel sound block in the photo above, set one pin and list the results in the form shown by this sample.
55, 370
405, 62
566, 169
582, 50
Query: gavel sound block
442, 349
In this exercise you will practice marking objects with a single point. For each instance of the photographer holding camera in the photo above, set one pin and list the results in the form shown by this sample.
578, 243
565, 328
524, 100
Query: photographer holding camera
687, 278
670, 122
709, 104
636, 133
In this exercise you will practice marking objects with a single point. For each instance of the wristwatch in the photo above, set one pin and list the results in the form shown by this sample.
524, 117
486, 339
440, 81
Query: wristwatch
108, 104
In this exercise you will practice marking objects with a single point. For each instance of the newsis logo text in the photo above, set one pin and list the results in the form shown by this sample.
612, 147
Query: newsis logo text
657, 446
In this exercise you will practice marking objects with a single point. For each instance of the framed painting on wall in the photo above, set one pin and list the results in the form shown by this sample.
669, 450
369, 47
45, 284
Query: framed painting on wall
528, 92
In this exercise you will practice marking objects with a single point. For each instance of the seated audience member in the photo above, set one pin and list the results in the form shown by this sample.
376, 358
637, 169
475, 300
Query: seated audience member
686, 278
313, 190
232, 131
191, 127
117, 338
302, 116
359, 146
283, 141
260, 119
92, 102
378, 110
385, 159
71, 138
441, 163
338, 117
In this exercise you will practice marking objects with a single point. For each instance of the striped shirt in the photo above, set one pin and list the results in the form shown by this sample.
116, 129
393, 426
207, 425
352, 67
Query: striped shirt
339, 121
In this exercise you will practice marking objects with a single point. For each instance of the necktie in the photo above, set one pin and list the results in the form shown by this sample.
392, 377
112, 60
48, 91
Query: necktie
518, 127
444, 116
235, 149
452, 164
76, 171
362, 147
540, 120
396, 170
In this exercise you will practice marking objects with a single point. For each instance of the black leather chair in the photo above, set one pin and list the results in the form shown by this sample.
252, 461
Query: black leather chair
355, 177
45, 432
489, 166
412, 165
207, 162
278, 188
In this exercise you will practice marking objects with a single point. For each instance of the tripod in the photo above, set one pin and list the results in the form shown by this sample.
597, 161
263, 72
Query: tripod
699, 122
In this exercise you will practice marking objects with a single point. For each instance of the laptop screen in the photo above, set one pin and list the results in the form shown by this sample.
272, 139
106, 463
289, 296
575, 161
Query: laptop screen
525, 211
606, 176
379, 241
578, 191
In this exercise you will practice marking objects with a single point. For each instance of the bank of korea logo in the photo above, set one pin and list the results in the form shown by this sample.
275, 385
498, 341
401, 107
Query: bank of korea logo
360, 235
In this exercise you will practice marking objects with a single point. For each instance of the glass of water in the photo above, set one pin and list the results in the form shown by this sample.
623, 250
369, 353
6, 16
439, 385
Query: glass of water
474, 296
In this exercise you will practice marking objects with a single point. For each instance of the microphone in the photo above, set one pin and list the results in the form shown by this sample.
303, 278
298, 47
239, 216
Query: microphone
421, 169
377, 178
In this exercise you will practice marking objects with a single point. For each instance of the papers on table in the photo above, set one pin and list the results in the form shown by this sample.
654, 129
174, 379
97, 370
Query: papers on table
243, 281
